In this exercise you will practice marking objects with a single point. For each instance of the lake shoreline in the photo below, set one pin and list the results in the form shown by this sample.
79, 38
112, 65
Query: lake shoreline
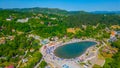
55, 61
73, 42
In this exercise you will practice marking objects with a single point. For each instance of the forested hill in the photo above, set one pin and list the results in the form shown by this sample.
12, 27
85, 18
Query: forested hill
72, 18
91, 19
42, 10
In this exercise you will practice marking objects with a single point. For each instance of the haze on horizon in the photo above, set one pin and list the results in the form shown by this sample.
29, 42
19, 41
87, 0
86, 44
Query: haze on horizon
70, 5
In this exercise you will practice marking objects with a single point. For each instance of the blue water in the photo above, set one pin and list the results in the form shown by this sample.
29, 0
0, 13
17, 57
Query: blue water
73, 50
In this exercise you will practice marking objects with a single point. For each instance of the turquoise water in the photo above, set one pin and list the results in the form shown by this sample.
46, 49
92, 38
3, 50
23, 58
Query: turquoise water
73, 50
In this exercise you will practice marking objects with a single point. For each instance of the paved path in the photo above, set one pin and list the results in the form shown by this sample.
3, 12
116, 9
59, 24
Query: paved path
22, 59
37, 65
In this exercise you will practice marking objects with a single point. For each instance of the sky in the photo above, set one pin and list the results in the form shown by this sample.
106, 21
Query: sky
70, 5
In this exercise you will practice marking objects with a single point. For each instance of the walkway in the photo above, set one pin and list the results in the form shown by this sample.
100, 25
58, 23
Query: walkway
22, 59
37, 65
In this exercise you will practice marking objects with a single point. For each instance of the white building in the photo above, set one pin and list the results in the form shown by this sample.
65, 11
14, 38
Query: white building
23, 20
8, 19
24, 60
53, 18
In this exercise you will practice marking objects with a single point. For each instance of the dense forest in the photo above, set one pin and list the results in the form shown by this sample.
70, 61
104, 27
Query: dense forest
91, 19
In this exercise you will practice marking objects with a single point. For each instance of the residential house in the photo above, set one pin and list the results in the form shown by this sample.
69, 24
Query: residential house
10, 66
2, 40
8, 19
72, 30
45, 41
84, 26
115, 27
53, 18
112, 36
42, 22
24, 60
11, 37
32, 50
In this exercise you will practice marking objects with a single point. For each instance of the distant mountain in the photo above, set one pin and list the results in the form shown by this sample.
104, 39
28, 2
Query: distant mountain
59, 11
0, 8
105, 12
77, 12
42, 10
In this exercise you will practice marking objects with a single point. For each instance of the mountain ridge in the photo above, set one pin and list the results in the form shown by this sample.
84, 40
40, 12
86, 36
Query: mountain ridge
58, 11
